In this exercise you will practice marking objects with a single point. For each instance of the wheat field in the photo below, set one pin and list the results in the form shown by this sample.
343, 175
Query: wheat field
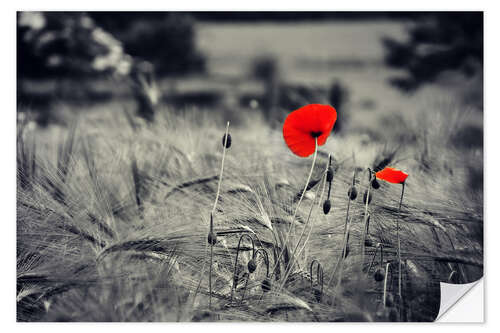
113, 215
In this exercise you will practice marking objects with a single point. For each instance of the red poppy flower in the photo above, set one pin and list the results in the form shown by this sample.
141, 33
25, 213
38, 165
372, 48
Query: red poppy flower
304, 125
392, 175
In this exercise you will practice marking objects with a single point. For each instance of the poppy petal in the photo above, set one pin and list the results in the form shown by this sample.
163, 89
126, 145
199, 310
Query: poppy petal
392, 175
303, 125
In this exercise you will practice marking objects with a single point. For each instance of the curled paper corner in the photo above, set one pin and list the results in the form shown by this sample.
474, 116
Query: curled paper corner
451, 295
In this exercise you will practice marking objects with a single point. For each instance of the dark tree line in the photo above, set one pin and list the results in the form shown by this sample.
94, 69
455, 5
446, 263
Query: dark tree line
437, 42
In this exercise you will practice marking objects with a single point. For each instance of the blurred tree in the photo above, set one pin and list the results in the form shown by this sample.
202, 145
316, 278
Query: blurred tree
76, 43
437, 42
167, 40
145, 89
65, 44
266, 69
338, 96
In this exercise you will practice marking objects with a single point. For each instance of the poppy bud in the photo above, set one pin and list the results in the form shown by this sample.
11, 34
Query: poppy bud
228, 142
266, 285
366, 196
329, 174
375, 184
252, 266
326, 206
212, 238
368, 242
352, 193
379, 274
389, 300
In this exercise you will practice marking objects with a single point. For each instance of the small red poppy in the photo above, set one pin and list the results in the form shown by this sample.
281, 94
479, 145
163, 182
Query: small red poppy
392, 175
304, 125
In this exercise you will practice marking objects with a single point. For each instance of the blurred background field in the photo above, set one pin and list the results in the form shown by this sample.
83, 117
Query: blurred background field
216, 62
384, 72
117, 112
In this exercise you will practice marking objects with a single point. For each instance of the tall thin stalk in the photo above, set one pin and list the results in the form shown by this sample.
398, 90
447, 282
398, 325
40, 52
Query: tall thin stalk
345, 228
399, 245
341, 261
221, 168
365, 219
294, 253
212, 236
381, 246
385, 281
211, 260
298, 204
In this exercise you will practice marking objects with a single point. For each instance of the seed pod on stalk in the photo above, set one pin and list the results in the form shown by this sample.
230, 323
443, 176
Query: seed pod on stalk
329, 174
379, 274
327, 205
352, 193
252, 266
226, 141
212, 238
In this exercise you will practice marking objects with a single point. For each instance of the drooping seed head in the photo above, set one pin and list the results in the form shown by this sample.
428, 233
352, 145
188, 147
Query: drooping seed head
327, 205
266, 285
368, 242
329, 174
367, 196
212, 238
352, 193
252, 266
379, 274
228, 142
